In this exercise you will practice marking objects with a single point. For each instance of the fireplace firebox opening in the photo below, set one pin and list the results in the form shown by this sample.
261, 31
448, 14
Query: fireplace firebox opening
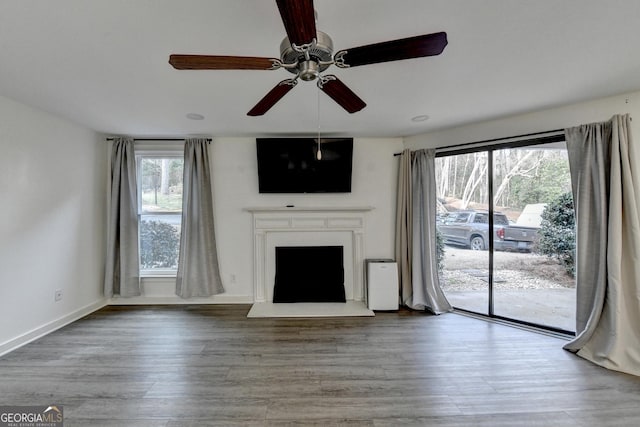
309, 274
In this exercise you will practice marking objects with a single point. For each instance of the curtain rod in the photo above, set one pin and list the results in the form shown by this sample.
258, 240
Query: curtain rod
446, 147
158, 139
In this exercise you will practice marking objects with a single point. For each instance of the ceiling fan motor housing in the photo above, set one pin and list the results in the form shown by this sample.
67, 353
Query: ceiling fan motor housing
308, 70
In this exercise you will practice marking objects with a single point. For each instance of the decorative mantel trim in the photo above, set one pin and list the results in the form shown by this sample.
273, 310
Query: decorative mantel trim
310, 209
270, 220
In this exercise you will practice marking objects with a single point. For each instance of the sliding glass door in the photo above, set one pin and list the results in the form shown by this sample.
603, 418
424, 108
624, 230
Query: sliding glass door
462, 228
521, 197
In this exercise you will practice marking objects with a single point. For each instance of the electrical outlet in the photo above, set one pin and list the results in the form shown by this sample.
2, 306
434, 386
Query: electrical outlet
58, 295
233, 278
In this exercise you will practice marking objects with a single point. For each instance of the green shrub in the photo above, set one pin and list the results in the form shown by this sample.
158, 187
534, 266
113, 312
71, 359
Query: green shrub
159, 245
439, 251
558, 233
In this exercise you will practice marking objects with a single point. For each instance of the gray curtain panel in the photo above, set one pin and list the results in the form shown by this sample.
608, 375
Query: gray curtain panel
404, 224
122, 275
198, 272
427, 293
608, 244
416, 233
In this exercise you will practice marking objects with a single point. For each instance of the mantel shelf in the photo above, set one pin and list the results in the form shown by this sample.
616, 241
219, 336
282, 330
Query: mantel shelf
309, 209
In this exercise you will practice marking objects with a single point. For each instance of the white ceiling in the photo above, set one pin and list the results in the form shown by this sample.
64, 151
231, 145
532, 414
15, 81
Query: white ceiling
103, 63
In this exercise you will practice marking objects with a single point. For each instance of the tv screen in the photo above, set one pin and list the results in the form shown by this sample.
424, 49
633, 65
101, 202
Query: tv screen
290, 165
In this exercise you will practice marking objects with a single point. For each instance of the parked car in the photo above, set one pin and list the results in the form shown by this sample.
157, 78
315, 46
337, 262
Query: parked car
471, 229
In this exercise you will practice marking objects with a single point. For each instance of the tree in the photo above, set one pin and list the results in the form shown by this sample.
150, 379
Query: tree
557, 232
522, 167
164, 179
547, 182
478, 174
439, 251
151, 175
443, 182
521, 176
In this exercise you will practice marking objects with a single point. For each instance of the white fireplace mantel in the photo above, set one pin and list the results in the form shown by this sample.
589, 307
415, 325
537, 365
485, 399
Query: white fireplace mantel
306, 226
309, 209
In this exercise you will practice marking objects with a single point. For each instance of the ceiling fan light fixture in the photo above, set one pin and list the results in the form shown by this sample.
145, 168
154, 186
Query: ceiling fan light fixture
309, 70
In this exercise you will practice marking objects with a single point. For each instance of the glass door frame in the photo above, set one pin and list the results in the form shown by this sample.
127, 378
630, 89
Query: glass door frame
490, 147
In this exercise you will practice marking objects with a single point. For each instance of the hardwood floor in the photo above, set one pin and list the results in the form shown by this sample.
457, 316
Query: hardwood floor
211, 366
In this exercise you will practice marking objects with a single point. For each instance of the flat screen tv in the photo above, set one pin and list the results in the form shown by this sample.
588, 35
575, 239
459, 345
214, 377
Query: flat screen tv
290, 165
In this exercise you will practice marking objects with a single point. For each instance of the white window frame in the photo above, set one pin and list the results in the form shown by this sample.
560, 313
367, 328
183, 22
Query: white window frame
154, 149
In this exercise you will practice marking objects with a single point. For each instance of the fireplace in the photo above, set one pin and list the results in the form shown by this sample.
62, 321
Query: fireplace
307, 226
309, 274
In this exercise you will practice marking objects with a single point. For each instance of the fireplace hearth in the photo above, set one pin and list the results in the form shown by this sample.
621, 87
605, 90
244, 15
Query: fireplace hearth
309, 274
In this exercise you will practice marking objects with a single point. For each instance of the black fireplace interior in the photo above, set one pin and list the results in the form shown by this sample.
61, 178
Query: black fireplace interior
309, 274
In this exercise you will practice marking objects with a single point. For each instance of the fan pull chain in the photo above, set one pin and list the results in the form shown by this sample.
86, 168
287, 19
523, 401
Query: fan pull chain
319, 153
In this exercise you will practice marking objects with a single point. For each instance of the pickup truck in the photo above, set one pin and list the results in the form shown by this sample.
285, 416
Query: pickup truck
471, 229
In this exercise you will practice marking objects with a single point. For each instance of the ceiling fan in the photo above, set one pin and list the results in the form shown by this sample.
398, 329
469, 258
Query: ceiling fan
307, 52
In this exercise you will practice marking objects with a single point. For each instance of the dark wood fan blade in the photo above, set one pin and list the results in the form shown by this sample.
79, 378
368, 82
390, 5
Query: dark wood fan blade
299, 20
272, 97
340, 93
216, 62
395, 50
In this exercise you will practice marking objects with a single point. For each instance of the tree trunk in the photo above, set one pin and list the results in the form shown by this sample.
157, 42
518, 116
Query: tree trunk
475, 178
164, 181
517, 169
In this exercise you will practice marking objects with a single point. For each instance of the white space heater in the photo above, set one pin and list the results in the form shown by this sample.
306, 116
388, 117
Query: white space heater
382, 284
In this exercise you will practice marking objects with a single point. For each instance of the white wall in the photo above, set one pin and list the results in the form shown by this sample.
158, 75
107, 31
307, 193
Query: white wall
556, 118
235, 180
52, 193
236, 187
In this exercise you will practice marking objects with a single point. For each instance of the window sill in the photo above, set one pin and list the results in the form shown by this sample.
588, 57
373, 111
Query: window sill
158, 275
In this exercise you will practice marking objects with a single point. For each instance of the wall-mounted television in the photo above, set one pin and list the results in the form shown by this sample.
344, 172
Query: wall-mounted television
290, 165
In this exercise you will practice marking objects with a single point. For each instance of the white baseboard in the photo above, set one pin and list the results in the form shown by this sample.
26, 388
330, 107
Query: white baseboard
47, 328
175, 300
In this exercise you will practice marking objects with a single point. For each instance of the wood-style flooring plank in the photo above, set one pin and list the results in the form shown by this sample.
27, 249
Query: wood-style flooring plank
170, 366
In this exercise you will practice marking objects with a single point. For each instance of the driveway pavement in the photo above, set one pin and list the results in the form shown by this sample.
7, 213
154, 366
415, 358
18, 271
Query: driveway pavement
527, 287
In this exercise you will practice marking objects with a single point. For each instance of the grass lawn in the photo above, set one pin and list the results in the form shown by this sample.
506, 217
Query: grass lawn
152, 201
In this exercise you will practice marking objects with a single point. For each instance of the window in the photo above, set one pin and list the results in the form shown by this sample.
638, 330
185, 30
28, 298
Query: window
499, 219
481, 218
460, 218
159, 212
